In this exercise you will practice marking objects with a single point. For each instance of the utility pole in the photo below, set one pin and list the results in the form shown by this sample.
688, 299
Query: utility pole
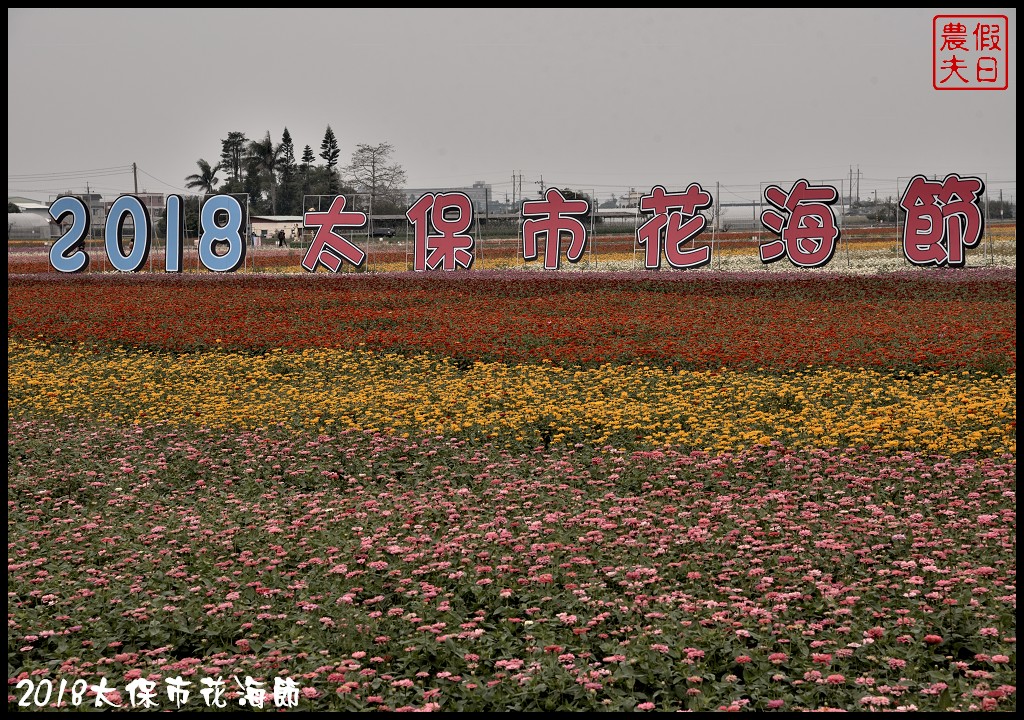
135, 176
541, 183
858, 183
718, 206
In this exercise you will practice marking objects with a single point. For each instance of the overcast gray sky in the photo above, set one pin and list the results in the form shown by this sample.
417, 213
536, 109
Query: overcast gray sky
589, 99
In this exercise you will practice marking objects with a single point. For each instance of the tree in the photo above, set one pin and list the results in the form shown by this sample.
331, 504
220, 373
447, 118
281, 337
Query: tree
883, 212
190, 205
330, 152
715, 214
1000, 209
307, 157
288, 195
307, 162
205, 180
371, 173
570, 194
233, 150
265, 158
287, 149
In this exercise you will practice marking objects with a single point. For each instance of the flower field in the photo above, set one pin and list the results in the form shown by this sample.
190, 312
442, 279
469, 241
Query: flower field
506, 490
860, 250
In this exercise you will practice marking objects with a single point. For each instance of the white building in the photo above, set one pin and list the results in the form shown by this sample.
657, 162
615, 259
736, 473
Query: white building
29, 226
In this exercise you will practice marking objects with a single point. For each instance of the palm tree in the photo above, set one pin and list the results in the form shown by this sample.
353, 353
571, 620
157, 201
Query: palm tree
267, 157
205, 180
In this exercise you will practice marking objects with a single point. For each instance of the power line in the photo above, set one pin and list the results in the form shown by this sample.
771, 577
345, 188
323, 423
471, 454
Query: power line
162, 181
59, 189
69, 175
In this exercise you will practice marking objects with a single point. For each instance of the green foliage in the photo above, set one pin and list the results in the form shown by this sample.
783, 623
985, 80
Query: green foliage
232, 154
265, 161
387, 572
1000, 210
205, 181
569, 194
276, 183
330, 152
883, 212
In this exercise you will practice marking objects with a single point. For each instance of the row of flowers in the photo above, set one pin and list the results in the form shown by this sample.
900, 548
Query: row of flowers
433, 573
914, 320
496, 253
629, 406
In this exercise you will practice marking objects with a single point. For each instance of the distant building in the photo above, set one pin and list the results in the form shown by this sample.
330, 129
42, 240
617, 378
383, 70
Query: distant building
620, 216
22, 201
479, 194
28, 226
630, 199
97, 213
31, 208
156, 204
267, 226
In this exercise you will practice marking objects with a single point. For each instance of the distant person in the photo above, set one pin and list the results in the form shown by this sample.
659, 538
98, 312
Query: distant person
280, 237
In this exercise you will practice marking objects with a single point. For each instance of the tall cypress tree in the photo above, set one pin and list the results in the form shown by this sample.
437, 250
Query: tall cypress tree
330, 152
288, 199
308, 158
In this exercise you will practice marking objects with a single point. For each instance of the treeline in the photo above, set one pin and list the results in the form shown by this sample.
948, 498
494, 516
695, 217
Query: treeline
885, 211
276, 177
